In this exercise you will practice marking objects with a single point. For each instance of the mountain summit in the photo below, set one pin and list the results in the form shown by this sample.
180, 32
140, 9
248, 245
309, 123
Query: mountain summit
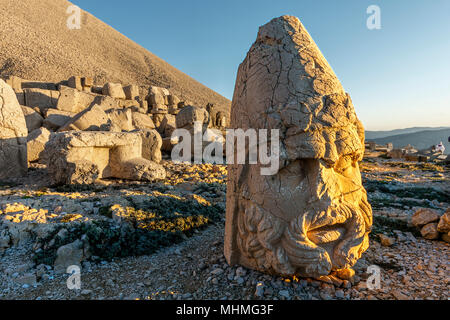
36, 44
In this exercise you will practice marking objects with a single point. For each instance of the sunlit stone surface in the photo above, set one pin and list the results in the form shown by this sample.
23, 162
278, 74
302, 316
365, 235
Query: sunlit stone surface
311, 217
13, 135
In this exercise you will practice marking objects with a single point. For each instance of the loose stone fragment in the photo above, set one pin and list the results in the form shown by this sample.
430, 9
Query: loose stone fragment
81, 157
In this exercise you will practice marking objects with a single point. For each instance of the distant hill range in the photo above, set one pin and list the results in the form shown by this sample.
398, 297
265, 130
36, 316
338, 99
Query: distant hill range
37, 45
383, 134
419, 137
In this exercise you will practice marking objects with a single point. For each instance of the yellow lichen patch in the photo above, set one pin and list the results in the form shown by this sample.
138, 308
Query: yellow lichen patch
201, 200
29, 215
174, 225
14, 208
133, 193
71, 217
120, 213
159, 194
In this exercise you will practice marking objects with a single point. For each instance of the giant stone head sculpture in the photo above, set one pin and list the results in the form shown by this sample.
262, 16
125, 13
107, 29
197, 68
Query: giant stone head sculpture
312, 217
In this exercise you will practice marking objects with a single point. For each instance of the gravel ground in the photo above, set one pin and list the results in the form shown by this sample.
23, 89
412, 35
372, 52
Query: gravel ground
196, 269
411, 268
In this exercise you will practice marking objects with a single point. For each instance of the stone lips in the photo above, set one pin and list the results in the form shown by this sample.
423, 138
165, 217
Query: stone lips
313, 216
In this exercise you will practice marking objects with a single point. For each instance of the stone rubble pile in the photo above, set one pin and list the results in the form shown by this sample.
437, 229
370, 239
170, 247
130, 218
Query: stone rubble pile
408, 153
40, 113
432, 226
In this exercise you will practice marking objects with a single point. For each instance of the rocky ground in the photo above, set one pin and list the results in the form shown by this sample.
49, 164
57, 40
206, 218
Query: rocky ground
185, 218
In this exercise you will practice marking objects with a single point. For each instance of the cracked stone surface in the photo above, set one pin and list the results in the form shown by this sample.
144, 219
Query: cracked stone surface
81, 157
13, 135
312, 217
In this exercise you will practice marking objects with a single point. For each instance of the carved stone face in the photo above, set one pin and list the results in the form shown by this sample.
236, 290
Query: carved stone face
312, 216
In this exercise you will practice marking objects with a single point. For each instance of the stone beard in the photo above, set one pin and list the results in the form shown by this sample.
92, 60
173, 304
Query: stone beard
312, 217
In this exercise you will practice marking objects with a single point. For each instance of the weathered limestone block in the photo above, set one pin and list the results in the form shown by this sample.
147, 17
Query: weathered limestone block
158, 97
33, 119
20, 97
173, 109
13, 135
143, 105
142, 121
81, 157
424, 216
18, 84
69, 255
36, 141
31, 84
446, 237
72, 100
75, 83
120, 119
444, 222
168, 125
312, 216
186, 119
159, 109
95, 118
151, 144
158, 119
190, 114
128, 104
430, 231
396, 154
168, 144
86, 99
68, 100
114, 90
220, 120
87, 83
372, 146
107, 102
91, 119
14, 82
173, 100
138, 109
212, 114
97, 90
131, 92
43, 99
55, 119
159, 91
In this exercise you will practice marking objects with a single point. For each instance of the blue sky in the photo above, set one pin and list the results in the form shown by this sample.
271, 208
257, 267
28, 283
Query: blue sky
398, 76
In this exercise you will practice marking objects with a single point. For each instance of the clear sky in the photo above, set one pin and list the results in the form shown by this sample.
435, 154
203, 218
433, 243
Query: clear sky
398, 76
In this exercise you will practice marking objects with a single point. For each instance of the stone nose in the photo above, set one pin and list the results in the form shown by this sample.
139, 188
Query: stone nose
332, 185
324, 184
